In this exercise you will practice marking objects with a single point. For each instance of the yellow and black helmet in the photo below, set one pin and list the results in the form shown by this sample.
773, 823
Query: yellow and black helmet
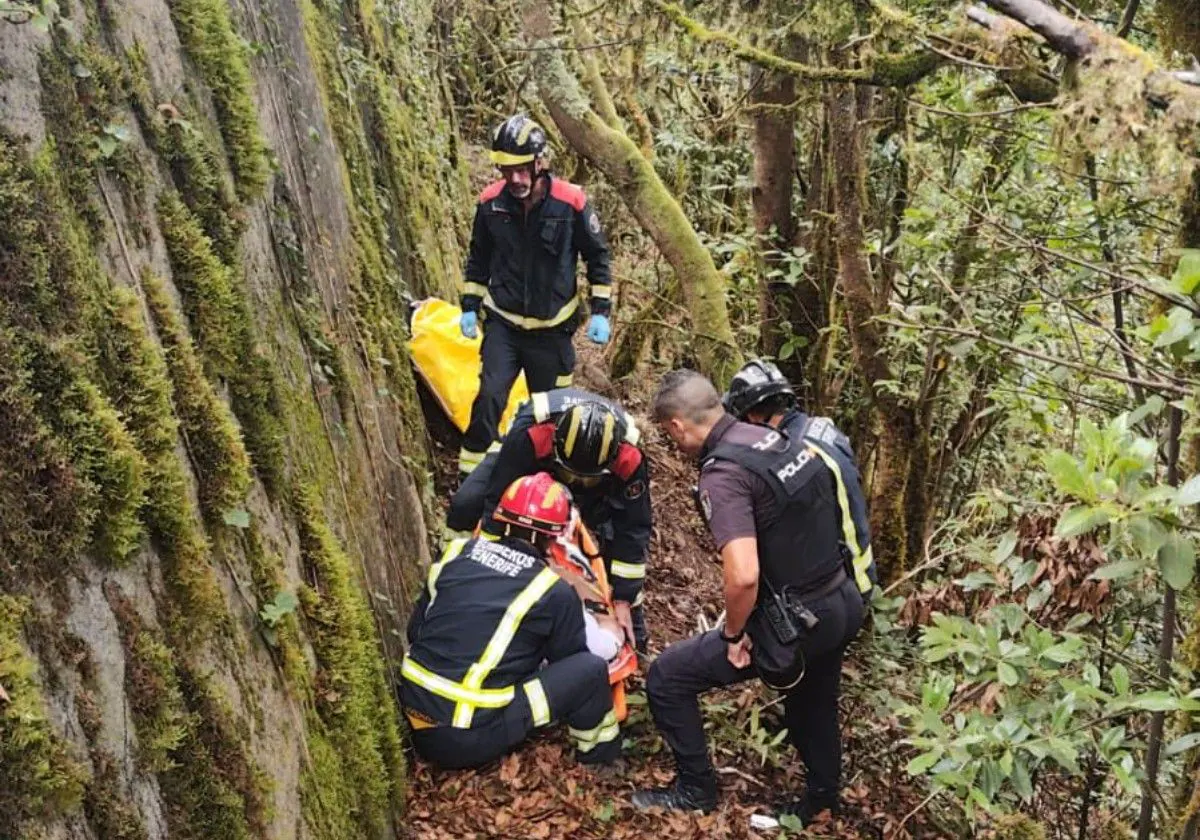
518, 140
587, 437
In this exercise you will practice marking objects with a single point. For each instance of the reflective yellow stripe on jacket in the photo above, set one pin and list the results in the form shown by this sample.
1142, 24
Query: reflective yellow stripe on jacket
628, 571
464, 711
862, 559
527, 323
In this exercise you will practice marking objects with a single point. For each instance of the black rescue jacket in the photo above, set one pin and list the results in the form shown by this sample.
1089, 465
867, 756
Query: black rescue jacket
521, 267
491, 612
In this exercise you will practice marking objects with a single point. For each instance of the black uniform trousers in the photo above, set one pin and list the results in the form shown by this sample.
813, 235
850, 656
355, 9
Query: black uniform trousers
578, 694
547, 357
466, 509
687, 669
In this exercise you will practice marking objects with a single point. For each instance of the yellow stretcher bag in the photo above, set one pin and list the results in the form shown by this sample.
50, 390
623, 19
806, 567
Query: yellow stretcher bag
449, 362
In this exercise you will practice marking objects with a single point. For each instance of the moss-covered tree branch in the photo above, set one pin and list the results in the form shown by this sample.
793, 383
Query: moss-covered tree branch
651, 203
888, 70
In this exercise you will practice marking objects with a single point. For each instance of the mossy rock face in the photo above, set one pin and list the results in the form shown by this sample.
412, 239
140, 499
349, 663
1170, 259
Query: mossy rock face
37, 773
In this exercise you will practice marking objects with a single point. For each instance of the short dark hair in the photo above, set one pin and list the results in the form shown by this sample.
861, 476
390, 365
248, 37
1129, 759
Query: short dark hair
688, 394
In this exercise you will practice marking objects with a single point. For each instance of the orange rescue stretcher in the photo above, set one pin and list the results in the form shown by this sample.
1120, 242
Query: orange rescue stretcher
577, 559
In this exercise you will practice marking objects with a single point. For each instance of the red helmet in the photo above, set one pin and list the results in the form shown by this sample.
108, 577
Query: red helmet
537, 502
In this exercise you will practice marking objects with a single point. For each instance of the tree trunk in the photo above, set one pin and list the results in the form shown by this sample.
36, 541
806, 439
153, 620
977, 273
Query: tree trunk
894, 418
774, 149
647, 198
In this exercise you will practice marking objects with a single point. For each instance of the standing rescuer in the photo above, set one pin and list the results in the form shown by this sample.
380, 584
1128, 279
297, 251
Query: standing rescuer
591, 445
759, 393
791, 603
491, 613
530, 229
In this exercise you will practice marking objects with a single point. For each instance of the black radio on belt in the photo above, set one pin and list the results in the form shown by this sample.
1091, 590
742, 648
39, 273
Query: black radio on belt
787, 616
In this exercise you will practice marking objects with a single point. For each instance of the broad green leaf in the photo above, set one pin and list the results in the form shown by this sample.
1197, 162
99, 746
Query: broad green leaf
1080, 520
1183, 744
1007, 674
1178, 326
1021, 782
1062, 653
1148, 534
1067, 476
1155, 701
1187, 273
1189, 493
1119, 675
923, 762
1117, 570
1152, 406
1177, 561
977, 579
1024, 574
1005, 548
237, 518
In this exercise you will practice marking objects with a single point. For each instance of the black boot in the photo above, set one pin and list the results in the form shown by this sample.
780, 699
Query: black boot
812, 803
696, 794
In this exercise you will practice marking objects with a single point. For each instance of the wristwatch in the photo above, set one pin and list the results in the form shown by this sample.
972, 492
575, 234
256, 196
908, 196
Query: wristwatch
731, 640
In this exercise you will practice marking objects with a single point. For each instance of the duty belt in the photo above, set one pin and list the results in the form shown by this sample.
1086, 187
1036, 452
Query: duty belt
819, 589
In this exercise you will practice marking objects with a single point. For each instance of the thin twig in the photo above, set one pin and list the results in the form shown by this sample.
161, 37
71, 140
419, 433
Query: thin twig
1177, 386
1027, 106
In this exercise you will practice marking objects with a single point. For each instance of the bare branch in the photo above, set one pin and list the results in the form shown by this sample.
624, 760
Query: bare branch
1065, 35
1126, 24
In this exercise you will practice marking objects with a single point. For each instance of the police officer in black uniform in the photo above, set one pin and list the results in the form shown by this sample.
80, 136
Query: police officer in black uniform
759, 393
491, 612
591, 445
530, 229
791, 606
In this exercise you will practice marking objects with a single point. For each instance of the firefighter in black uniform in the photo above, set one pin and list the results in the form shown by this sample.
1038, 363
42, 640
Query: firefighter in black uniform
759, 393
530, 229
591, 445
791, 606
492, 611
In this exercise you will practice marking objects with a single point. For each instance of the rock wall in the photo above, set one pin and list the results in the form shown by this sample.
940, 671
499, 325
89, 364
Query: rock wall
214, 476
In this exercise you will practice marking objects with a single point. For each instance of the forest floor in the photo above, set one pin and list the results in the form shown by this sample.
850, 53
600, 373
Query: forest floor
540, 792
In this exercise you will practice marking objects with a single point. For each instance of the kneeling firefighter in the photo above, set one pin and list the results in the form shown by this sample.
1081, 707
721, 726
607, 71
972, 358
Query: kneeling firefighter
491, 613
591, 445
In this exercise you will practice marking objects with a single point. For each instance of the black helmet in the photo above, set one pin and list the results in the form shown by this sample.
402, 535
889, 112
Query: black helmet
755, 382
518, 140
586, 438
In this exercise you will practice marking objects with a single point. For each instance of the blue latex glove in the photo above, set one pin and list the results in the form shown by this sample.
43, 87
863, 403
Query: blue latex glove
469, 324
599, 329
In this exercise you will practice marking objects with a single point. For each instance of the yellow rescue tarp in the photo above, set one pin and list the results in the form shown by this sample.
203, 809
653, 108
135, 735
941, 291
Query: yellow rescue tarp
449, 362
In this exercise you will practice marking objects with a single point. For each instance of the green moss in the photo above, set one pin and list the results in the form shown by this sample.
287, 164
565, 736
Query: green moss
101, 448
210, 787
1019, 827
109, 814
219, 314
37, 774
174, 132
213, 442
43, 505
206, 31
136, 375
82, 86
363, 771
